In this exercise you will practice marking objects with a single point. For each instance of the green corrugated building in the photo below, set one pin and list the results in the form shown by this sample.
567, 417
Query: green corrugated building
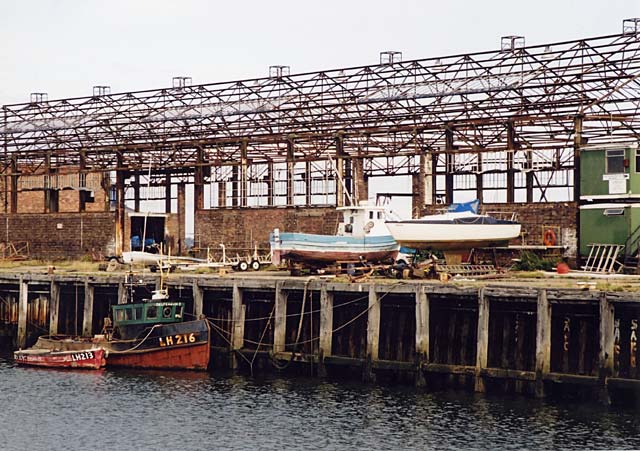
609, 196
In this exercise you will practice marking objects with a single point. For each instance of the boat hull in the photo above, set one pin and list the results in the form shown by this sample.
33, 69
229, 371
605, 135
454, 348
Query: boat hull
447, 237
306, 247
88, 359
184, 346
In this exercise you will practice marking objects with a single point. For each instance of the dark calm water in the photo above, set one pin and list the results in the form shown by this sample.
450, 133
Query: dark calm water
121, 410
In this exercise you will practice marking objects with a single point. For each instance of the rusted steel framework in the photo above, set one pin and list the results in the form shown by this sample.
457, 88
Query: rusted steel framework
519, 111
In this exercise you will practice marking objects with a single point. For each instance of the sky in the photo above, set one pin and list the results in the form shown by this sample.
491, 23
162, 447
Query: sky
65, 47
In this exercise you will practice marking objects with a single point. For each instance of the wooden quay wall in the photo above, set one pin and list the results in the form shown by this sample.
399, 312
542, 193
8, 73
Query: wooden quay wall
513, 338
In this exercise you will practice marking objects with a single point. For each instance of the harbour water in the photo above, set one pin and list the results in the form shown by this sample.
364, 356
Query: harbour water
45, 409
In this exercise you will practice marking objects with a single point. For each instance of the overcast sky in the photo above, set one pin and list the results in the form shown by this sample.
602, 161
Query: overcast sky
65, 47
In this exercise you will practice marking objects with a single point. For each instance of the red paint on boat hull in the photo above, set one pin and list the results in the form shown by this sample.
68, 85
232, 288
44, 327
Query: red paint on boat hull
334, 256
91, 359
195, 357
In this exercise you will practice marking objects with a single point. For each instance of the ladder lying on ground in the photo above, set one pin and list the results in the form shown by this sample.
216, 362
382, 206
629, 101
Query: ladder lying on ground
603, 258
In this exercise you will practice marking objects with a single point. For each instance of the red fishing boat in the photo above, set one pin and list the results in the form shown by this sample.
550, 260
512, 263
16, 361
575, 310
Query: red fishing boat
88, 359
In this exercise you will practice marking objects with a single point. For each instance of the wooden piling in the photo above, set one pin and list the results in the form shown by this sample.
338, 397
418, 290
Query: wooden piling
122, 293
373, 333
238, 313
607, 343
482, 352
87, 316
198, 299
23, 308
422, 334
54, 308
543, 341
326, 328
280, 321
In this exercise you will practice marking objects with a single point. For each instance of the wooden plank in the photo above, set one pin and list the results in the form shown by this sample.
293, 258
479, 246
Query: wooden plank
543, 341
280, 321
607, 338
238, 313
198, 299
373, 324
326, 321
54, 308
422, 324
23, 306
87, 314
483, 339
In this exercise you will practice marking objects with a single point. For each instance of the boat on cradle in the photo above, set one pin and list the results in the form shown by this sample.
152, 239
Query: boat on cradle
150, 334
90, 357
460, 228
361, 236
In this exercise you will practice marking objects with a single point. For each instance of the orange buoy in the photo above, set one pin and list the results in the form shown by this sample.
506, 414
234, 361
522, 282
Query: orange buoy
562, 268
549, 238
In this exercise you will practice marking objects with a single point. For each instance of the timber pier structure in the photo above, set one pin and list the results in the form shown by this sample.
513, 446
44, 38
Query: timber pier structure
495, 336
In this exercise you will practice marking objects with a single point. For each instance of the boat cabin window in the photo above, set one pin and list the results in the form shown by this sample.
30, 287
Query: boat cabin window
166, 312
152, 312
128, 314
379, 215
139, 313
119, 315
615, 161
179, 311
370, 215
351, 219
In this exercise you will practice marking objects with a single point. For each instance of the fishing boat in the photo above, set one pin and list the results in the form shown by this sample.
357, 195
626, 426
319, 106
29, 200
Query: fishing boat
154, 335
460, 228
361, 236
90, 358
150, 334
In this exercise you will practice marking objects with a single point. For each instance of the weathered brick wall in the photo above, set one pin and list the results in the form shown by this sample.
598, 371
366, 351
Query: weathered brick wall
60, 236
31, 202
536, 218
238, 228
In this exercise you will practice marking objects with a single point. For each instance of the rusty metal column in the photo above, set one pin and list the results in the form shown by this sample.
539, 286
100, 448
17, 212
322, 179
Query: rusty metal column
120, 210
270, 183
360, 184
167, 193
421, 187
13, 204
136, 192
480, 180
182, 215
244, 174
449, 165
87, 316
280, 321
290, 172
543, 341
339, 169
23, 311
511, 148
307, 183
54, 307
198, 182
577, 143
82, 206
529, 177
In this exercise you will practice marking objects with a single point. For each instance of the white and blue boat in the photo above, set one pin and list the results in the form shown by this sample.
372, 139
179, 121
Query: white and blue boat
362, 236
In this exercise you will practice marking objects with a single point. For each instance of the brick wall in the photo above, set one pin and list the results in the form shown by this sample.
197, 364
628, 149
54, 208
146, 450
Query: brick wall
238, 228
60, 236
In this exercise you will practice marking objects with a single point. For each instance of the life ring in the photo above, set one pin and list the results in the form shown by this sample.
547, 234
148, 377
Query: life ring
166, 312
549, 238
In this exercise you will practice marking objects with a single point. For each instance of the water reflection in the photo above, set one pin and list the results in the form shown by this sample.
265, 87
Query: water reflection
135, 410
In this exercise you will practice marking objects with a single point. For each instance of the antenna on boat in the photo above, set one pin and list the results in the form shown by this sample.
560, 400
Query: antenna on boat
341, 180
